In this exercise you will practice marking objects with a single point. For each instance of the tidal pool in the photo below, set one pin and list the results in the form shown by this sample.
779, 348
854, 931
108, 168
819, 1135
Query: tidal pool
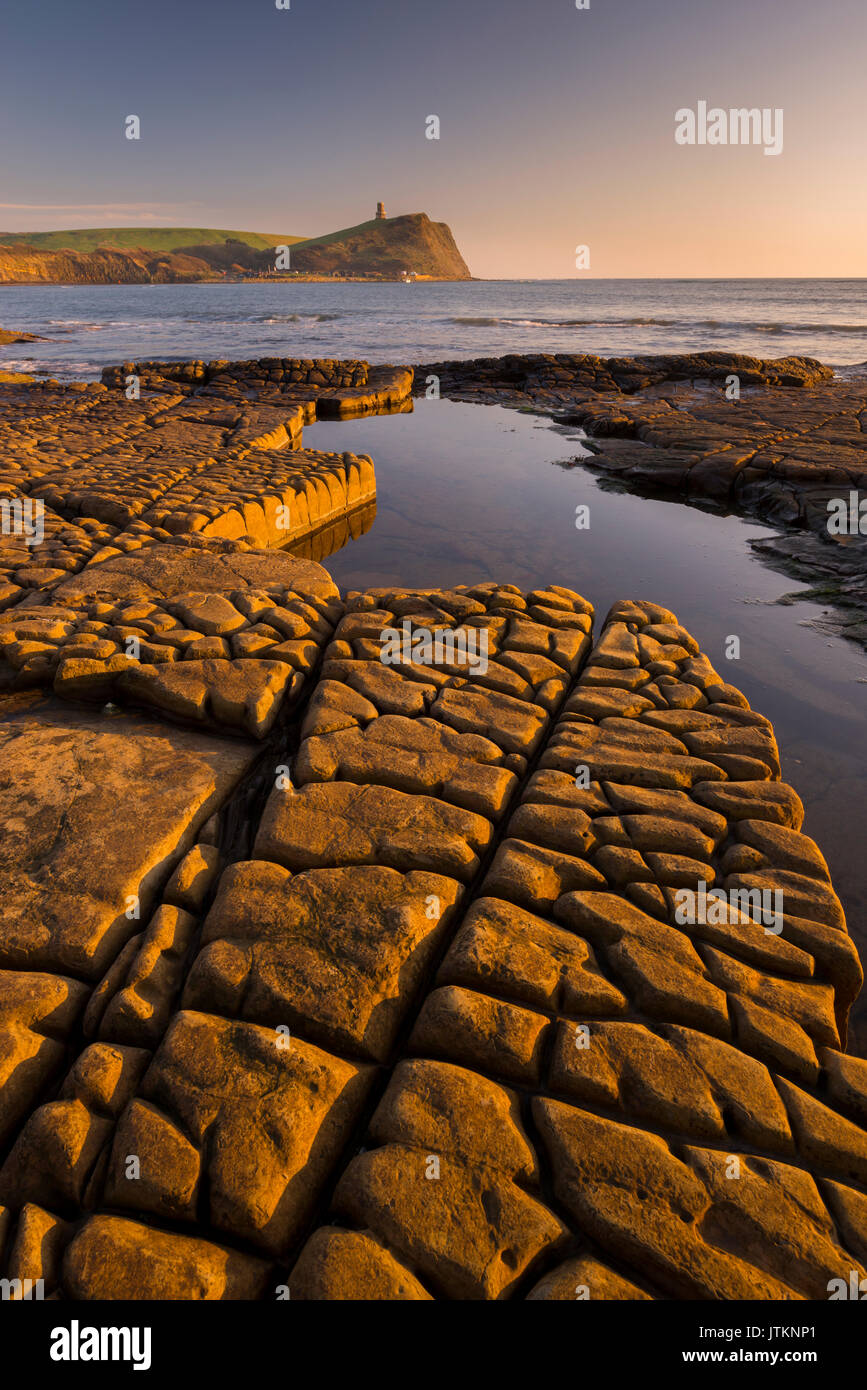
467, 493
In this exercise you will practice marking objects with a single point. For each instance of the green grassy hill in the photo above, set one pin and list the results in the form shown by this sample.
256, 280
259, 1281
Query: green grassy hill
380, 248
87, 239
330, 237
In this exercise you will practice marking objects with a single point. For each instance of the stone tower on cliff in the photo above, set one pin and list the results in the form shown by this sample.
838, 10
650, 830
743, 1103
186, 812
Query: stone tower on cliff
380, 211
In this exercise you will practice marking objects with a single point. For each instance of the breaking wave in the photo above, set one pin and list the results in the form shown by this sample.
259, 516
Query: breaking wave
737, 325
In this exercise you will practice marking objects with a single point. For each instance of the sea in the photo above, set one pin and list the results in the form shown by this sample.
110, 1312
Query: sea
88, 327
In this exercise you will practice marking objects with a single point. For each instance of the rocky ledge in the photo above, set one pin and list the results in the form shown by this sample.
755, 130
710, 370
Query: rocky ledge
8, 336
781, 440
346, 948
126, 571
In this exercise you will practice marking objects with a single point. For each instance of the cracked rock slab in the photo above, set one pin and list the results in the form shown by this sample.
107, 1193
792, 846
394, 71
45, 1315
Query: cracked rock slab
95, 813
470, 1232
324, 825
688, 1220
113, 1258
334, 953
268, 1114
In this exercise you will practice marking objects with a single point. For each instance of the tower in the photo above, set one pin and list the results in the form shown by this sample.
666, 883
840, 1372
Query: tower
380, 211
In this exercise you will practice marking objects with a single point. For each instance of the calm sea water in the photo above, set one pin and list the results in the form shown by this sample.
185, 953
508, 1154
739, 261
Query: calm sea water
94, 326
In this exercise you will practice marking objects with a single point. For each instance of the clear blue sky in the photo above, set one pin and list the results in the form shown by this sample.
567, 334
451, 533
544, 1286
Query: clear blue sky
557, 125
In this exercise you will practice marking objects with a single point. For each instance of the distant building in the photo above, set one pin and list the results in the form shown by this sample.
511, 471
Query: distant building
380, 211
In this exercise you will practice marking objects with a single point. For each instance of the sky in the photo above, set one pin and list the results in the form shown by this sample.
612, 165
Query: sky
557, 126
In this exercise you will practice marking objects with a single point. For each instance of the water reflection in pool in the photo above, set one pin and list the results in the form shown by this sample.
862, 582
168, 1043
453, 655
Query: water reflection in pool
467, 493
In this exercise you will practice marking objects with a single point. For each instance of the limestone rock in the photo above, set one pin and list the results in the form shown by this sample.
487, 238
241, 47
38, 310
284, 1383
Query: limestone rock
470, 1233
113, 1258
825, 1139
334, 953
444, 1109
514, 725
585, 1278
849, 1208
846, 1081
325, 825
137, 1014
481, 1032
501, 949
780, 1042
413, 755
111, 805
37, 1251
167, 1171
162, 571
784, 848
246, 695
104, 1077
657, 965
554, 827
37, 1013
811, 1005
268, 1119
804, 897
191, 881
534, 877
688, 1220
337, 1264
751, 800
683, 1081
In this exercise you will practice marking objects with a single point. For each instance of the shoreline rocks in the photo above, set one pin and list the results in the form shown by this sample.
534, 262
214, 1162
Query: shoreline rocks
450, 985
374, 979
13, 335
778, 440
130, 513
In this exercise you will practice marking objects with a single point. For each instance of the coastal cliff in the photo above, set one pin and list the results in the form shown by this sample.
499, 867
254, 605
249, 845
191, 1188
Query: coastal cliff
382, 249
386, 247
25, 264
